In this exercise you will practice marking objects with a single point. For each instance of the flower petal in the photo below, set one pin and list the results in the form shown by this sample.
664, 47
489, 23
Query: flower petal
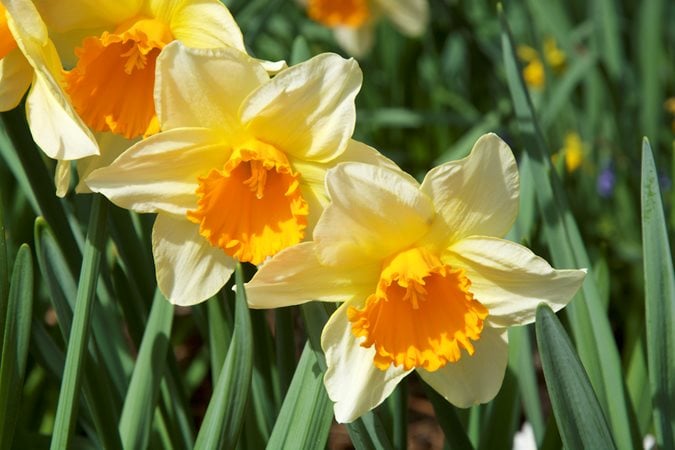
189, 270
473, 379
510, 280
352, 380
202, 24
357, 42
410, 16
159, 174
191, 91
373, 213
307, 111
313, 176
15, 78
295, 276
54, 124
477, 195
66, 15
112, 146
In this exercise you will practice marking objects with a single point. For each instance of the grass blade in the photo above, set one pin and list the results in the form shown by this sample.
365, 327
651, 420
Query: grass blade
590, 324
306, 413
659, 302
366, 432
141, 398
66, 409
4, 276
15, 344
225, 413
576, 408
455, 433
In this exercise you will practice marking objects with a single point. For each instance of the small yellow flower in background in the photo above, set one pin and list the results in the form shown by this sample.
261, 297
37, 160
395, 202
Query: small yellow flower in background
670, 107
29, 59
237, 172
573, 151
353, 20
533, 72
426, 281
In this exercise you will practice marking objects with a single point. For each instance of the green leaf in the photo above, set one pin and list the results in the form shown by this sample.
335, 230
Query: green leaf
366, 432
15, 344
306, 413
455, 434
522, 362
659, 302
141, 398
576, 408
590, 325
501, 415
225, 413
4, 276
66, 410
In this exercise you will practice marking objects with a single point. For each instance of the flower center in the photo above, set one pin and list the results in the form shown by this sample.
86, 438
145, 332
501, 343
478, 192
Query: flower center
112, 84
421, 315
351, 13
253, 207
7, 42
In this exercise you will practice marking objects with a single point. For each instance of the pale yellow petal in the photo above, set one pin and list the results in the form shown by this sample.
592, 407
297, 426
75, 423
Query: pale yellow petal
66, 15
189, 270
357, 42
477, 195
200, 24
373, 213
295, 276
159, 174
62, 177
54, 124
111, 146
510, 280
15, 78
204, 88
410, 16
313, 176
307, 111
473, 379
352, 380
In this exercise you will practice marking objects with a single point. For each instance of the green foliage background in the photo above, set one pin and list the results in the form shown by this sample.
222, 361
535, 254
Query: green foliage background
122, 368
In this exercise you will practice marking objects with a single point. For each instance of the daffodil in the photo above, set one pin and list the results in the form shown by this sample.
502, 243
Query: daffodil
426, 280
29, 59
111, 47
237, 171
353, 20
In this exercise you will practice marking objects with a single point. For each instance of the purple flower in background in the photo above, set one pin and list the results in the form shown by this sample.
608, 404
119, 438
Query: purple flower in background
606, 181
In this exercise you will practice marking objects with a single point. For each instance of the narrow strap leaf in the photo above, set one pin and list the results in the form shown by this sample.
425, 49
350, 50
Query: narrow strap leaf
141, 398
659, 302
66, 410
577, 411
225, 413
306, 413
15, 344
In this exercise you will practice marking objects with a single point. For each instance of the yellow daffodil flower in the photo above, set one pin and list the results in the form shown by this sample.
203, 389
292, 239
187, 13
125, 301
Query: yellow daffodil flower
30, 59
426, 281
237, 172
353, 20
111, 48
